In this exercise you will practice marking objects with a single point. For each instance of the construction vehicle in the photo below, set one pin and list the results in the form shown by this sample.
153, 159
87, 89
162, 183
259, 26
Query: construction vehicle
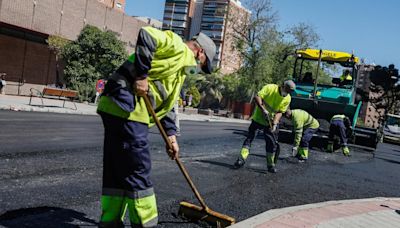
333, 96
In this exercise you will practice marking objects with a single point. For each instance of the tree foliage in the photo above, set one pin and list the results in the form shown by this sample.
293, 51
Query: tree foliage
268, 52
57, 45
94, 55
249, 37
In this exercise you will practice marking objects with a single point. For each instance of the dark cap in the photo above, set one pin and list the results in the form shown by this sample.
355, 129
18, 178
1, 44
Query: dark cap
209, 48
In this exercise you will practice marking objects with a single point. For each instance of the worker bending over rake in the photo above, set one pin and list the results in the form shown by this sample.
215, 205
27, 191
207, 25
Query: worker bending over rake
304, 127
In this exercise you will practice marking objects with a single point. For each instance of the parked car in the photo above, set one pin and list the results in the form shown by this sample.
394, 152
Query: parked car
391, 130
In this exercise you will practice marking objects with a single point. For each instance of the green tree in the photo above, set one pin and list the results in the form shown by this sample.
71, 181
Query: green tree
282, 46
210, 87
195, 96
56, 45
249, 36
94, 55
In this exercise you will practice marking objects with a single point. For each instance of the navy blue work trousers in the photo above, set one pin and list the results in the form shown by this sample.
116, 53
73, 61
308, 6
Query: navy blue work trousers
307, 136
271, 138
338, 128
126, 161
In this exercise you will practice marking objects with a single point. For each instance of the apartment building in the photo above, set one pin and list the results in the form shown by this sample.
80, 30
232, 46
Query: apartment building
216, 18
177, 16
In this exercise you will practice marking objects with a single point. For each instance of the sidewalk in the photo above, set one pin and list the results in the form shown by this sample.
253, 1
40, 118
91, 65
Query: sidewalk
374, 212
21, 103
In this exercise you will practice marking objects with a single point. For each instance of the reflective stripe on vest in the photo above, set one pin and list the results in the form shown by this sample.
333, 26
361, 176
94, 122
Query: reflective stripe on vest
338, 117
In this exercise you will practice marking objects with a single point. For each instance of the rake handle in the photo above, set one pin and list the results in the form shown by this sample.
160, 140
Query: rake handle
177, 160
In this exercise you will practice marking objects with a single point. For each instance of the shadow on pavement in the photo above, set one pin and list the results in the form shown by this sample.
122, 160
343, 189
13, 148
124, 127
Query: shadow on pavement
47, 106
388, 160
237, 131
257, 170
230, 166
45, 217
258, 155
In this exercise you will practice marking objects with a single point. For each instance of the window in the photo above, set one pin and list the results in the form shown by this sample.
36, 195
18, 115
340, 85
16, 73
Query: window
213, 19
181, 17
180, 9
178, 24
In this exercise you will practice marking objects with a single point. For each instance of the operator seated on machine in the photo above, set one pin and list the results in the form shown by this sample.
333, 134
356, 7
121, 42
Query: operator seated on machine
346, 78
308, 78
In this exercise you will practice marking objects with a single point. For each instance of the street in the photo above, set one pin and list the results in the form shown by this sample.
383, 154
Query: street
51, 167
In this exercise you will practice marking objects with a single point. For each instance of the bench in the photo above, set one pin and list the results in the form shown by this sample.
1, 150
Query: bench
54, 93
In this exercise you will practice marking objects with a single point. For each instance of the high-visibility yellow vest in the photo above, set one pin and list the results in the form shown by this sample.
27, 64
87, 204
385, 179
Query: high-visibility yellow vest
166, 76
271, 96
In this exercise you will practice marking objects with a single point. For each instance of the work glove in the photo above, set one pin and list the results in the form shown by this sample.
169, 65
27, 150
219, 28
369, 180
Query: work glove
294, 151
141, 87
274, 128
174, 152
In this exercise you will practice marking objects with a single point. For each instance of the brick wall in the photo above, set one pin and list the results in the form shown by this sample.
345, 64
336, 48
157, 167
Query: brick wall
26, 61
72, 18
114, 4
130, 30
95, 14
11, 57
67, 17
32, 61
114, 20
47, 16
237, 17
17, 12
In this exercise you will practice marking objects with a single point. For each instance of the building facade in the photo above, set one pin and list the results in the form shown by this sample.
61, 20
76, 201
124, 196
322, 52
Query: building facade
151, 21
216, 18
114, 4
237, 19
177, 16
26, 24
369, 115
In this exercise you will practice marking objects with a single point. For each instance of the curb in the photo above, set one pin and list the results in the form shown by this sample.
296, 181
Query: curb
274, 213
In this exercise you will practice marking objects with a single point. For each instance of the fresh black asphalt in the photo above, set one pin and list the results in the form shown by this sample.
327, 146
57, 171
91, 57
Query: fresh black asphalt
51, 166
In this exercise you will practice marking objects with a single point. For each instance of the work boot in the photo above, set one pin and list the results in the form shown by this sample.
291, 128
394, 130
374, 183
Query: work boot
239, 163
244, 152
302, 154
329, 148
302, 159
346, 151
272, 169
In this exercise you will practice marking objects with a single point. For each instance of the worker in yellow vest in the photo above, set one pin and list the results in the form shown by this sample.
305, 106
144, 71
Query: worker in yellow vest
157, 69
346, 78
304, 127
340, 125
272, 101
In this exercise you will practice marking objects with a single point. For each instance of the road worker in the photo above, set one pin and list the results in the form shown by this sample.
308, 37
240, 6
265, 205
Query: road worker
157, 69
272, 101
346, 78
304, 127
340, 126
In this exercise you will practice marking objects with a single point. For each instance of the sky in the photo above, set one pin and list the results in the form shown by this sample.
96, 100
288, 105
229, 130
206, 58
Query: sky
369, 28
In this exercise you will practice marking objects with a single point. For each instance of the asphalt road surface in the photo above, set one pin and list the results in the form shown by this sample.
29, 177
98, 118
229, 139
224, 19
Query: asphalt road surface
51, 166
